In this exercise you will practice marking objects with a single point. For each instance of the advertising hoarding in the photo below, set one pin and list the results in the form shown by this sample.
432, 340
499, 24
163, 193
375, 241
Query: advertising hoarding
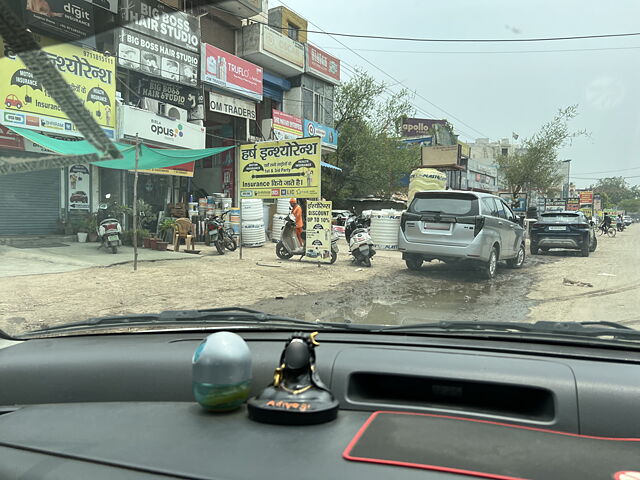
328, 135
79, 187
321, 64
440, 156
232, 73
573, 204
90, 74
285, 126
318, 233
157, 58
60, 18
517, 203
288, 168
418, 127
551, 204
282, 46
169, 92
232, 106
586, 197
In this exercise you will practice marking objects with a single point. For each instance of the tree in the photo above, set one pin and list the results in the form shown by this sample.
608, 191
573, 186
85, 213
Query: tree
613, 190
370, 153
535, 165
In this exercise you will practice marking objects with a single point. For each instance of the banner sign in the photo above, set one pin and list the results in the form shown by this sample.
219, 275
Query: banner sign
167, 92
182, 170
518, 204
555, 204
157, 129
79, 187
318, 239
288, 168
586, 197
328, 135
282, 46
418, 127
285, 126
232, 73
322, 64
157, 58
597, 202
91, 75
159, 21
61, 18
232, 106
573, 204
588, 211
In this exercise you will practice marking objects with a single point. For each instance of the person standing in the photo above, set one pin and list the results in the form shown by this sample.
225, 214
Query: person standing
296, 211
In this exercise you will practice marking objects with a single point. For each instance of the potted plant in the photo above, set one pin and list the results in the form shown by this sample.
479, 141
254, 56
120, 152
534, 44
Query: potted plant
166, 228
91, 224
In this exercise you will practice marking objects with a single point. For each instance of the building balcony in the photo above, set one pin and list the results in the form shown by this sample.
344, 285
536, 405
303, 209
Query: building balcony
241, 8
271, 50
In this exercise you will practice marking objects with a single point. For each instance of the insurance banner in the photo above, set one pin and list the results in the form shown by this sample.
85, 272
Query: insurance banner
91, 75
287, 168
318, 243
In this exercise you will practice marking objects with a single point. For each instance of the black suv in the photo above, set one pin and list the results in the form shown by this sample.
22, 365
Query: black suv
569, 230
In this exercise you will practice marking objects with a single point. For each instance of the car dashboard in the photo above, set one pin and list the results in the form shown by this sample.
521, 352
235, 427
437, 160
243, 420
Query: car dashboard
121, 405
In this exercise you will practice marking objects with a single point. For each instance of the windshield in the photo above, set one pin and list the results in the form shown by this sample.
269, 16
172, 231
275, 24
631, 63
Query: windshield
179, 156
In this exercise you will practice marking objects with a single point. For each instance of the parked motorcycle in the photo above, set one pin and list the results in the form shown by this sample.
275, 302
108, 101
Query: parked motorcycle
109, 230
357, 236
288, 246
216, 233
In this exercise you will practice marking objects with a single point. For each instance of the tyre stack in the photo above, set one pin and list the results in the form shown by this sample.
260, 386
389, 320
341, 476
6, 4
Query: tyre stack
253, 234
278, 221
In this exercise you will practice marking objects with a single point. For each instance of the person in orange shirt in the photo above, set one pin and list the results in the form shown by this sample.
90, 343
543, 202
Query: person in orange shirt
296, 210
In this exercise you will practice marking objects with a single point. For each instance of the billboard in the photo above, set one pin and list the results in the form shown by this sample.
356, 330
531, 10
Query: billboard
573, 204
232, 73
586, 197
60, 18
321, 64
159, 21
287, 168
318, 241
79, 187
328, 135
157, 58
418, 127
440, 156
285, 126
555, 204
25, 103
169, 92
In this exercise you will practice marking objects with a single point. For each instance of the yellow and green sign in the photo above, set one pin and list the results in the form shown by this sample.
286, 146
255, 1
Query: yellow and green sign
318, 242
287, 168
26, 103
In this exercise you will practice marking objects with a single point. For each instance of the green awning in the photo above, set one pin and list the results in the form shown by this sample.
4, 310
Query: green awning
149, 157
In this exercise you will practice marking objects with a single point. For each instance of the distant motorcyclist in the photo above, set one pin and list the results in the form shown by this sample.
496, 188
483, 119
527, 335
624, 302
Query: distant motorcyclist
296, 211
606, 223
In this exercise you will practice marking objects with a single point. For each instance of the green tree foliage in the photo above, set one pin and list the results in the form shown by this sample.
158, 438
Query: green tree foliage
615, 192
535, 166
370, 153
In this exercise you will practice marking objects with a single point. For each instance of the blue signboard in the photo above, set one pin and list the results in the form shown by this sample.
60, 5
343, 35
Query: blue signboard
328, 135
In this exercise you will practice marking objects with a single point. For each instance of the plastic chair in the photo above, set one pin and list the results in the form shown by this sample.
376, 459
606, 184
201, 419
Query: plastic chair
183, 229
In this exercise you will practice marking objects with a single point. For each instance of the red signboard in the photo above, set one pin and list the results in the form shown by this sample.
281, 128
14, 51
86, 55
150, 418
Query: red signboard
573, 204
323, 64
586, 197
286, 122
10, 139
232, 73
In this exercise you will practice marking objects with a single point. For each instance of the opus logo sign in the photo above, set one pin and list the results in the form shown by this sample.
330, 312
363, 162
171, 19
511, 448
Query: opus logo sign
167, 131
160, 130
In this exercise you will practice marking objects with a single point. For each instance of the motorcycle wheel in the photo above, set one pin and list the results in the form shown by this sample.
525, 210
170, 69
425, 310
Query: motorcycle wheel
334, 257
366, 261
230, 243
114, 249
282, 252
219, 247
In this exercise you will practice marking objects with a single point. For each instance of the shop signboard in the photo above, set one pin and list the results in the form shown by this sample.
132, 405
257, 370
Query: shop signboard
418, 127
440, 156
90, 74
318, 233
518, 203
587, 210
182, 170
232, 73
328, 135
169, 92
161, 22
60, 18
555, 204
282, 46
79, 187
281, 169
573, 204
586, 197
321, 64
10, 140
159, 130
597, 202
232, 106
285, 126
157, 58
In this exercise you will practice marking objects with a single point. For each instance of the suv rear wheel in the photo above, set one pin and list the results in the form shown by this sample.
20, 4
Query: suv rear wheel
414, 262
585, 249
533, 249
489, 268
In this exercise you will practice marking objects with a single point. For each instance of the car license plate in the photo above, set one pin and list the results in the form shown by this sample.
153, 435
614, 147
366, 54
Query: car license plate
560, 229
437, 226
113, 238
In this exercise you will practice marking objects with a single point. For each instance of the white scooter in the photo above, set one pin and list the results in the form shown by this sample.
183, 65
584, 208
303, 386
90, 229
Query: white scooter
360, 242
288, 246
109, 230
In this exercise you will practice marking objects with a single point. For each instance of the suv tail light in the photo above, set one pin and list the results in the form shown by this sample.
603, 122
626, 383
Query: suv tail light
478, 225
408, 216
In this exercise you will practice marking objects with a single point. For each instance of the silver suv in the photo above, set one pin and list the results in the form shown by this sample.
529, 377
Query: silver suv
452, 225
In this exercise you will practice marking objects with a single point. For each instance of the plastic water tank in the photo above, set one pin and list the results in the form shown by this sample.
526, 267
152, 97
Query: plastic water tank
282, 206
253, 233
252, 209
385, 225
276, 227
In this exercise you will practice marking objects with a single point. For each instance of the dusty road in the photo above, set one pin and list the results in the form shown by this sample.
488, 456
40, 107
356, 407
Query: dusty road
547, 288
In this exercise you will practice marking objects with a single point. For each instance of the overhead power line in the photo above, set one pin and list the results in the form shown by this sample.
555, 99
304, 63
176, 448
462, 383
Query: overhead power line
485, 52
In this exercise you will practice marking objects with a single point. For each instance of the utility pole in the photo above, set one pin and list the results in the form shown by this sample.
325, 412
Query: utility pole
568, 182
135, 207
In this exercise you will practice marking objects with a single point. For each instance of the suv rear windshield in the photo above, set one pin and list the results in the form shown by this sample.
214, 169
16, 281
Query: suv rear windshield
562, 217
445, 203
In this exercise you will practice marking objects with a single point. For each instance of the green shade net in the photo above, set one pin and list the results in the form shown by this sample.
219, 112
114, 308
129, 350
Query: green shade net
149, 157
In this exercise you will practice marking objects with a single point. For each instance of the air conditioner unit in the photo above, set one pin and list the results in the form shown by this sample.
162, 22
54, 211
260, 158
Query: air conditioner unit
171, 111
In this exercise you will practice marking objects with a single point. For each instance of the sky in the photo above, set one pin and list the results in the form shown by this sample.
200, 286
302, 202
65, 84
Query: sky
494, 94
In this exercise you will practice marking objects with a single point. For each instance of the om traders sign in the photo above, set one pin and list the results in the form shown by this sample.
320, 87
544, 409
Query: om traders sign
288, 168
25, 103
156, 129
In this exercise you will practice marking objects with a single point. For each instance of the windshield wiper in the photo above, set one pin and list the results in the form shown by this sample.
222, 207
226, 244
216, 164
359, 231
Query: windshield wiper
233, 316
574, 329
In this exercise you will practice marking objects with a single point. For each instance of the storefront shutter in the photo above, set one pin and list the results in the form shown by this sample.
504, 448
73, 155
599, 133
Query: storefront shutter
30, 202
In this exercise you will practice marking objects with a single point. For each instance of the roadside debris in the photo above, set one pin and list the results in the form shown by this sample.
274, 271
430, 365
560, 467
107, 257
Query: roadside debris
577, 283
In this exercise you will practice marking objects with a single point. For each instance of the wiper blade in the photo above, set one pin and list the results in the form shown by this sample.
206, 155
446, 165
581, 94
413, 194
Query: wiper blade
575, 329
227, 315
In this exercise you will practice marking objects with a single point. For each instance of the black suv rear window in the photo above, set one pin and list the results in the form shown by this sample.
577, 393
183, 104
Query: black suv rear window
445, 203
562, 217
